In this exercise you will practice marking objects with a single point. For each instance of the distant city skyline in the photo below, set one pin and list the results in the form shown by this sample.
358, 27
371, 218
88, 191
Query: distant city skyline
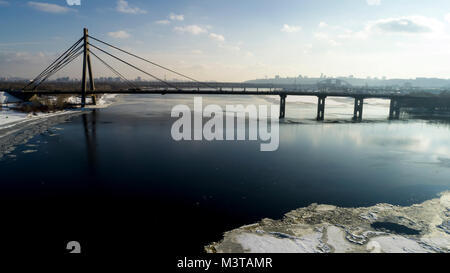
236, 40
406, 84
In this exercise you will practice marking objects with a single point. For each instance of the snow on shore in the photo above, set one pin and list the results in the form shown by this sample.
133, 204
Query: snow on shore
17, 128
422, 228
10, 118
102, 101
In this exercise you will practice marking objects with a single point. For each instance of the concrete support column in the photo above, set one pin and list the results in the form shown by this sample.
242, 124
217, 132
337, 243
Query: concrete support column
282, 106
358, 112
321, 108
394, 109
87, 68
85, 60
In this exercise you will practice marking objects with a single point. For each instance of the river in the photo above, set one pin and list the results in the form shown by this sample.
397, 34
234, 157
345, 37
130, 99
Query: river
115, 180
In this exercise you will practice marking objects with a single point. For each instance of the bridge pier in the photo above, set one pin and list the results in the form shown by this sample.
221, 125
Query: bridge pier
282, 106
321, 108
394, 109
358, 112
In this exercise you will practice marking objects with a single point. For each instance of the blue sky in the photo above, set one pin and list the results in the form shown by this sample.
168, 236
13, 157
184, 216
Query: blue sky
237, 40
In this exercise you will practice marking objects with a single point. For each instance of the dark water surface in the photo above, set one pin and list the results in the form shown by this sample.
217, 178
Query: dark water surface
116, 181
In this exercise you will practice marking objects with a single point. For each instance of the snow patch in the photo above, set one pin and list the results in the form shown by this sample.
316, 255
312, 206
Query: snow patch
265, 243
397, 244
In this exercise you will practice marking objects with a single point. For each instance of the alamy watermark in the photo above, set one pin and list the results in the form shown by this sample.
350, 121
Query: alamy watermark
228, 125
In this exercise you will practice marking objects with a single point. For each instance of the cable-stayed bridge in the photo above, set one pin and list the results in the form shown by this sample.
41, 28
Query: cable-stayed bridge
90, 47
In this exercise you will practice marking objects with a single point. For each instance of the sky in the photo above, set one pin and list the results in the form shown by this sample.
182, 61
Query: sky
234, 40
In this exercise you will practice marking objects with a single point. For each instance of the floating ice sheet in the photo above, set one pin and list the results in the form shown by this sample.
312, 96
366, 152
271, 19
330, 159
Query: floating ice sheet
322, 228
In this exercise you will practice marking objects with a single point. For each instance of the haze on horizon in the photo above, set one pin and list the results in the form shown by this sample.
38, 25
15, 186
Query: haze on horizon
235, 40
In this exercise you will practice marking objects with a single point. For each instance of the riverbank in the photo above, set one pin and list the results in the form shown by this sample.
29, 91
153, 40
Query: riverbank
383, 228
18, 127
10, 118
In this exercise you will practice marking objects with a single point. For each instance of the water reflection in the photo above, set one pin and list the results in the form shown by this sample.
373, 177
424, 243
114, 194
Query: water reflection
90, 134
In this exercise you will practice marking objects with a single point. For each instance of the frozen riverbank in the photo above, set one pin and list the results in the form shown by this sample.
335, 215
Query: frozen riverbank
10, 118
17, 127
422, 228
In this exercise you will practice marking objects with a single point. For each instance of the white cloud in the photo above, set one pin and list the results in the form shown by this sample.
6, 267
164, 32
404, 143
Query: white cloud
373, 2
290, 29
163, 22
323, 24
121, 34
124, 7
217, 37
73, 2
176, 17
192, 29
325, 37
4, 3
46, 7
407, 25
172, 17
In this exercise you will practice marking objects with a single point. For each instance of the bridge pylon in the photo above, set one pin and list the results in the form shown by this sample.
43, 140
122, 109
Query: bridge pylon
87, 68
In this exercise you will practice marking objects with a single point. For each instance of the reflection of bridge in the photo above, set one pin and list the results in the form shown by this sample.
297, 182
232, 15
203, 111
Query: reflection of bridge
322, 90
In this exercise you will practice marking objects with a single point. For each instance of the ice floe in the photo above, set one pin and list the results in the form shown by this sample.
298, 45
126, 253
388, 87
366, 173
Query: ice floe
420, 228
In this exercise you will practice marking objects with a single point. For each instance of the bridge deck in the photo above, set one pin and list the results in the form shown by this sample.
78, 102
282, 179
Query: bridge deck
224, 92
230, 88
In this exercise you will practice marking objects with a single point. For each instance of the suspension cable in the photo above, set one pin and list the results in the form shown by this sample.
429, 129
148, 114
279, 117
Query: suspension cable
135, 67
150, 62
67, 59
61, 62
73, 52
59, 68
53, 63
114, 71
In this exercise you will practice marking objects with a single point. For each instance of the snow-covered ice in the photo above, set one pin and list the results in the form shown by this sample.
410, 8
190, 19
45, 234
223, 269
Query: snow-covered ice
324, 228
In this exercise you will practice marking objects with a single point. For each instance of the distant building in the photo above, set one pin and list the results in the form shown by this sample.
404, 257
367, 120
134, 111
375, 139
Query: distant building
63, 79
